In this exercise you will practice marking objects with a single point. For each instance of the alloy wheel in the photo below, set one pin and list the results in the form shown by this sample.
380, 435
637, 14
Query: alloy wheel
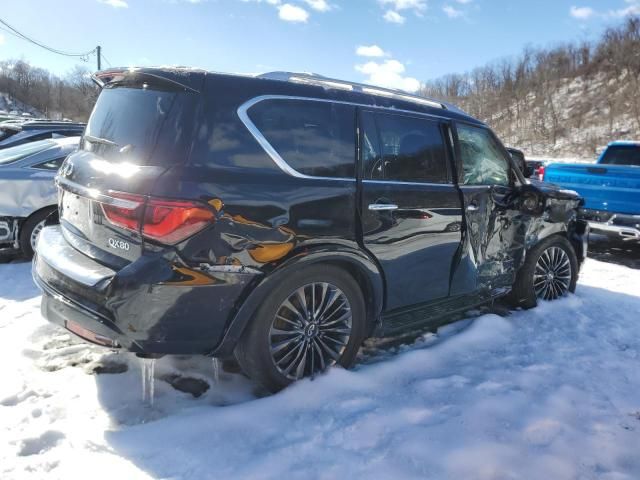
552, 276
35, 233
311, 330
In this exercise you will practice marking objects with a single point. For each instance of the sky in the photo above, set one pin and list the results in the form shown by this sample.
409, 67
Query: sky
393, 43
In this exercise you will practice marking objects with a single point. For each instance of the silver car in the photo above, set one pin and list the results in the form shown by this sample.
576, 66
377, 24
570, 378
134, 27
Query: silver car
28, 191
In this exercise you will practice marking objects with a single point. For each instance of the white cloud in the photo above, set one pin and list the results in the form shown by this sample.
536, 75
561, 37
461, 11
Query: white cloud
370, 51
582, 13
632, 9
318, 5
417, 5
394, 17
585, 13
464, 2
2, 39
394, 7
115, 3
452, 12
293, 13
388, 74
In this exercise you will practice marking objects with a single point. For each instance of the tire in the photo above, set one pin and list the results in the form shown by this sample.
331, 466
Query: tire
530, 279
33, 223
269, 358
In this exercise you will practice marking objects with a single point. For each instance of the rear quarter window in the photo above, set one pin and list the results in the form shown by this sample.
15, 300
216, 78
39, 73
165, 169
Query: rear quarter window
314, 138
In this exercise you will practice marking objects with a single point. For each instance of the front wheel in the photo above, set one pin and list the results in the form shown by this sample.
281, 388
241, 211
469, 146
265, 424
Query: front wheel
313, 320
550, 271
30, 231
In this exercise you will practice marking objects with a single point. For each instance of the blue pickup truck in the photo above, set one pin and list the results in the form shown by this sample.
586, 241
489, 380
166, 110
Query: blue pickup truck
610, 187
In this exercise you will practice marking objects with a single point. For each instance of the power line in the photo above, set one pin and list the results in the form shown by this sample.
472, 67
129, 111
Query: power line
13, 31
106, 60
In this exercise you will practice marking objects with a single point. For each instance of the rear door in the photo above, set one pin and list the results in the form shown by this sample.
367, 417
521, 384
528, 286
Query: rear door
494, 233
140, 127
410, 209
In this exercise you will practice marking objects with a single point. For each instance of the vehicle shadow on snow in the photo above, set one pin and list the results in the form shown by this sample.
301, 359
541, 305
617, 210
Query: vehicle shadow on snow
627, 254
233, 411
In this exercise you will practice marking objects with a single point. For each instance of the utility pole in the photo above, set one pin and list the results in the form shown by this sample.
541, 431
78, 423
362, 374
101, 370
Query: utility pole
99, 54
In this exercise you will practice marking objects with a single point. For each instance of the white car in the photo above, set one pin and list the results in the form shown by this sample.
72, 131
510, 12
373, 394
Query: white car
28, 192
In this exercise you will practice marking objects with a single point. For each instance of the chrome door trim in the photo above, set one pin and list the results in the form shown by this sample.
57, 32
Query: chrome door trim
243, 114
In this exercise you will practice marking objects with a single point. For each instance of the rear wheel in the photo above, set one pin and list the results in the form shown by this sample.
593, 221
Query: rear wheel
30, 231
313, 320
549, 272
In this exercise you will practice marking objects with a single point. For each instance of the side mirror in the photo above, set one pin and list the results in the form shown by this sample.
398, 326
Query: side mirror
530, 200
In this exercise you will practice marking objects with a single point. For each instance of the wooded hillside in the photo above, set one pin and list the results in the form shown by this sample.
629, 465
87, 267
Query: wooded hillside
569, 100
71, 97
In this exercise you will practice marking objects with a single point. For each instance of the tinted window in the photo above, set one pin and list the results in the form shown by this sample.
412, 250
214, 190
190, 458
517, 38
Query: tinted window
314, 138
145, 126
484, 162
7, 132
13, 154
622, 155
402, 148
51, 164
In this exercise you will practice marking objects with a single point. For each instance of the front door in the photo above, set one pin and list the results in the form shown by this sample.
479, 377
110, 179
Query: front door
494, 233
410, 209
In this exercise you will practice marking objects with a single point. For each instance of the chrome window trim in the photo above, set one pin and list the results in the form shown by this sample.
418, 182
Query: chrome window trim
400, 182
243, 114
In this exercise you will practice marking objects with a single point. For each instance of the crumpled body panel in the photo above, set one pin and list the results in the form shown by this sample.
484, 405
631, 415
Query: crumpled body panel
23, 191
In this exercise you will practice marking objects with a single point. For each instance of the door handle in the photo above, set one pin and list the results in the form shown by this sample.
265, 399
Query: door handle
378, 207
472, 207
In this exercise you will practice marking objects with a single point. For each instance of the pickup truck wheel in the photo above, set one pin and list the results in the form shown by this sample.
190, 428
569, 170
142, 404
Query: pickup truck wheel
550, 271
312, 320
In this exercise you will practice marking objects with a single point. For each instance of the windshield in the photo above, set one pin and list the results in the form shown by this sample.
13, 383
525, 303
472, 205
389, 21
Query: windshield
622, 155
13, 154
127, 122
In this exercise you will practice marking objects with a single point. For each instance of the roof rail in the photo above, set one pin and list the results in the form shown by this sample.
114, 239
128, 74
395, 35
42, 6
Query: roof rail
332, 83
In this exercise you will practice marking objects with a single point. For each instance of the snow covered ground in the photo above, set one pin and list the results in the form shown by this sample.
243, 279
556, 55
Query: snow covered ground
551, 393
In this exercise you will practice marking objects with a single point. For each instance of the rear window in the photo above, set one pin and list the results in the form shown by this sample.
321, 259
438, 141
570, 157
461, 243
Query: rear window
141, 125
7, 132
13, 154
622, 155
314, 138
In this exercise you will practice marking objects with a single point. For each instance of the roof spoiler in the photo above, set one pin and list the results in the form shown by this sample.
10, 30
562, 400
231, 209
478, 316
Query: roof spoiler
175, 77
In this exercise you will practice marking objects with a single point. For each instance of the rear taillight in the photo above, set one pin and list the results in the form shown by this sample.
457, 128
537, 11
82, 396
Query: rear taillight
125, 210
541, 172
170, 221
165, 221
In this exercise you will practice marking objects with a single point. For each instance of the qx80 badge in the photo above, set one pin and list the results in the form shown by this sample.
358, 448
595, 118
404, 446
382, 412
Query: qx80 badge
119, 244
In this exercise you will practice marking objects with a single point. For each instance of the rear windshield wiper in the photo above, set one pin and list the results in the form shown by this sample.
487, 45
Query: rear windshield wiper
103, 141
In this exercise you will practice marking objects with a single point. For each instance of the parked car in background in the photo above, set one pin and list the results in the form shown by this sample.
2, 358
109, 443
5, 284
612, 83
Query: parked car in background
219, 214
17, 133
28, 192
611, 189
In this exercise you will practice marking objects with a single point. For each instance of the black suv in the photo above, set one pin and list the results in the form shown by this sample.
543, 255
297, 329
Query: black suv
285, 218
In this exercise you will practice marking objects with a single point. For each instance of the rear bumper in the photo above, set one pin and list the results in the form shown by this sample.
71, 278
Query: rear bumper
617, 226
618, 232
151, 306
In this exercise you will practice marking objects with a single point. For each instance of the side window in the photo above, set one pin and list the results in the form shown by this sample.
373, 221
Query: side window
52, 165
402, 148
314, 138
483, 161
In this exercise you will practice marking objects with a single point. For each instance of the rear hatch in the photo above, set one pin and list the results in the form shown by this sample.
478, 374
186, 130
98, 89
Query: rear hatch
613, 188
141, 125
